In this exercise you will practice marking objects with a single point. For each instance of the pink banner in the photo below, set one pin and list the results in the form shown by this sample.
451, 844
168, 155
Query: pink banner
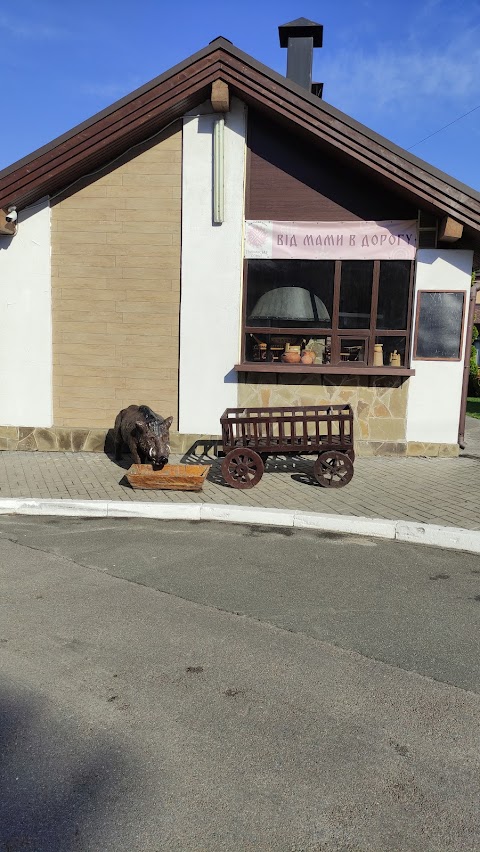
389, 240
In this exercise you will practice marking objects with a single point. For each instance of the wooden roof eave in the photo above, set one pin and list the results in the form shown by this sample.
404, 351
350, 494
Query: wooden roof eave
151, 108
96, 144
135, 96
349, 125
406, 175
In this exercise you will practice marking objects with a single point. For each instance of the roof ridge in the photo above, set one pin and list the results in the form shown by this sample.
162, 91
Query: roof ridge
186, 84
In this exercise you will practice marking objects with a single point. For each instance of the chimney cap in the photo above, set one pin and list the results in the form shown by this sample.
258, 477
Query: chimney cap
301, 28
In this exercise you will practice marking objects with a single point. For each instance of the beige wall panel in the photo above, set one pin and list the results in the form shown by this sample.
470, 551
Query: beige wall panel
116, 290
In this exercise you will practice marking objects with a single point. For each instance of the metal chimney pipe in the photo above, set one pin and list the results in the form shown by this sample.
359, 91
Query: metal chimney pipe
300, 61
300, 37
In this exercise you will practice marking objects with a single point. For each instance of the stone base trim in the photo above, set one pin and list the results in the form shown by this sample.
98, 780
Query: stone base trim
61, 439
51, 439
83, 440
442, 451
365, 449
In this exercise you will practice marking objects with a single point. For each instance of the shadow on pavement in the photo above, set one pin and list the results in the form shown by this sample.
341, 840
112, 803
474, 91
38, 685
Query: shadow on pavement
56, 781
301, 469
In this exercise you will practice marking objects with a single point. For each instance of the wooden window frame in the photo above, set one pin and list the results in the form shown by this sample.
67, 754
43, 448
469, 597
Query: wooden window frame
336, 333
415, 357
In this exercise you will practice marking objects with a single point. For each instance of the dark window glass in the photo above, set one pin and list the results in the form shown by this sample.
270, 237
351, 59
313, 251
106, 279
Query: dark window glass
352, 349
393, 291
356, 293
290, 293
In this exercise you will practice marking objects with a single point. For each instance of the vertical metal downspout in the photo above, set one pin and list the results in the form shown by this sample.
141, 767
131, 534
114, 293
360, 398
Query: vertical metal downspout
219, 169
466, 367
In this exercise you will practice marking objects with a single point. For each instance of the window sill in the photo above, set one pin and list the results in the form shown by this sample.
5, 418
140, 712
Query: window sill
320, 369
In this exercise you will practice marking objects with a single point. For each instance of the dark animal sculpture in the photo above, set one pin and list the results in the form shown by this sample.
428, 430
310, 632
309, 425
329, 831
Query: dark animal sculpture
145, 433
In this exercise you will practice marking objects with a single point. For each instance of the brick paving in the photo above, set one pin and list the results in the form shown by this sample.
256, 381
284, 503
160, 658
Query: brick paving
438, 491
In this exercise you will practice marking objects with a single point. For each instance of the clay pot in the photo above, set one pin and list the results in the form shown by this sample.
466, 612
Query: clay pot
291, 357
308, 357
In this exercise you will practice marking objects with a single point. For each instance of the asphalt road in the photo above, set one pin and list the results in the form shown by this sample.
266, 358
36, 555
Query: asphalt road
175, 686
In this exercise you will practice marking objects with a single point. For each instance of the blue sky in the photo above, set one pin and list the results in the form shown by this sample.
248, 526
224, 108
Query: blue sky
403, 69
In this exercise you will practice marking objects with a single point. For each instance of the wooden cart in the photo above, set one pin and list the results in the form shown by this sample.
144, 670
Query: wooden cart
250, 435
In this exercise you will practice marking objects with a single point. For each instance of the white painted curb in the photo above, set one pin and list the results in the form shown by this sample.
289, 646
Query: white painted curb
452, 538
247, 515
378, 527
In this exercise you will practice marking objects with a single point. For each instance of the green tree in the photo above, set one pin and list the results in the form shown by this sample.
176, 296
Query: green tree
473, 381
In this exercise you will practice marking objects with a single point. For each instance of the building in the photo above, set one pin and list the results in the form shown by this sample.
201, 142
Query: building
171, 250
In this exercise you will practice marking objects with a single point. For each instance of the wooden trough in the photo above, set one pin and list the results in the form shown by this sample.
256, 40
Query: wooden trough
173, 477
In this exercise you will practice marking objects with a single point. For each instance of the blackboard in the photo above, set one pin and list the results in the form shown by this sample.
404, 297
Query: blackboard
439, 325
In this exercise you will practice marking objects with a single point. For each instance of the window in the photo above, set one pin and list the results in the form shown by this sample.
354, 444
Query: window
328, 313
356, 283
288, 294
393, 292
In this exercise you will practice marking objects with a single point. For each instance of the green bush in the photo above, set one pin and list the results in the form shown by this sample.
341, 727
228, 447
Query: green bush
473, 381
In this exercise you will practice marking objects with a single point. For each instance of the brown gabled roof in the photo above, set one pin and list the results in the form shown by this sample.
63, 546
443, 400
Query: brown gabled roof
158, 103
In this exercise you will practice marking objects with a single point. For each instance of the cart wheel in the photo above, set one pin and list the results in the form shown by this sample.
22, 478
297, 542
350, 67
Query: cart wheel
333, 469
350, 454
242, 468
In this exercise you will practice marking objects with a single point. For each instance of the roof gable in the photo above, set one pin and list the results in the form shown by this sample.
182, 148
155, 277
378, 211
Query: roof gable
290, 179
157, 104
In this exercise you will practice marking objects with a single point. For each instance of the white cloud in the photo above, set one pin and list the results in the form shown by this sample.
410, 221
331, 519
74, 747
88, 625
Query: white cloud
30, 30
428, 73
392, 80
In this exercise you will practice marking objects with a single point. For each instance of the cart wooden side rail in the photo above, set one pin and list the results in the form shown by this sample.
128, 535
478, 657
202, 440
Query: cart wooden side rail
250, 435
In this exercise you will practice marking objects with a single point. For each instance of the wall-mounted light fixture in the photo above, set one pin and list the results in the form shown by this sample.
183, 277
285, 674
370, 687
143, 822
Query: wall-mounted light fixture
218, 169
8, 221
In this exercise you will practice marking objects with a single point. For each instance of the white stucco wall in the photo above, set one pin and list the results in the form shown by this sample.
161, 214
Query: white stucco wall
212, 260
435, 390
26, 321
